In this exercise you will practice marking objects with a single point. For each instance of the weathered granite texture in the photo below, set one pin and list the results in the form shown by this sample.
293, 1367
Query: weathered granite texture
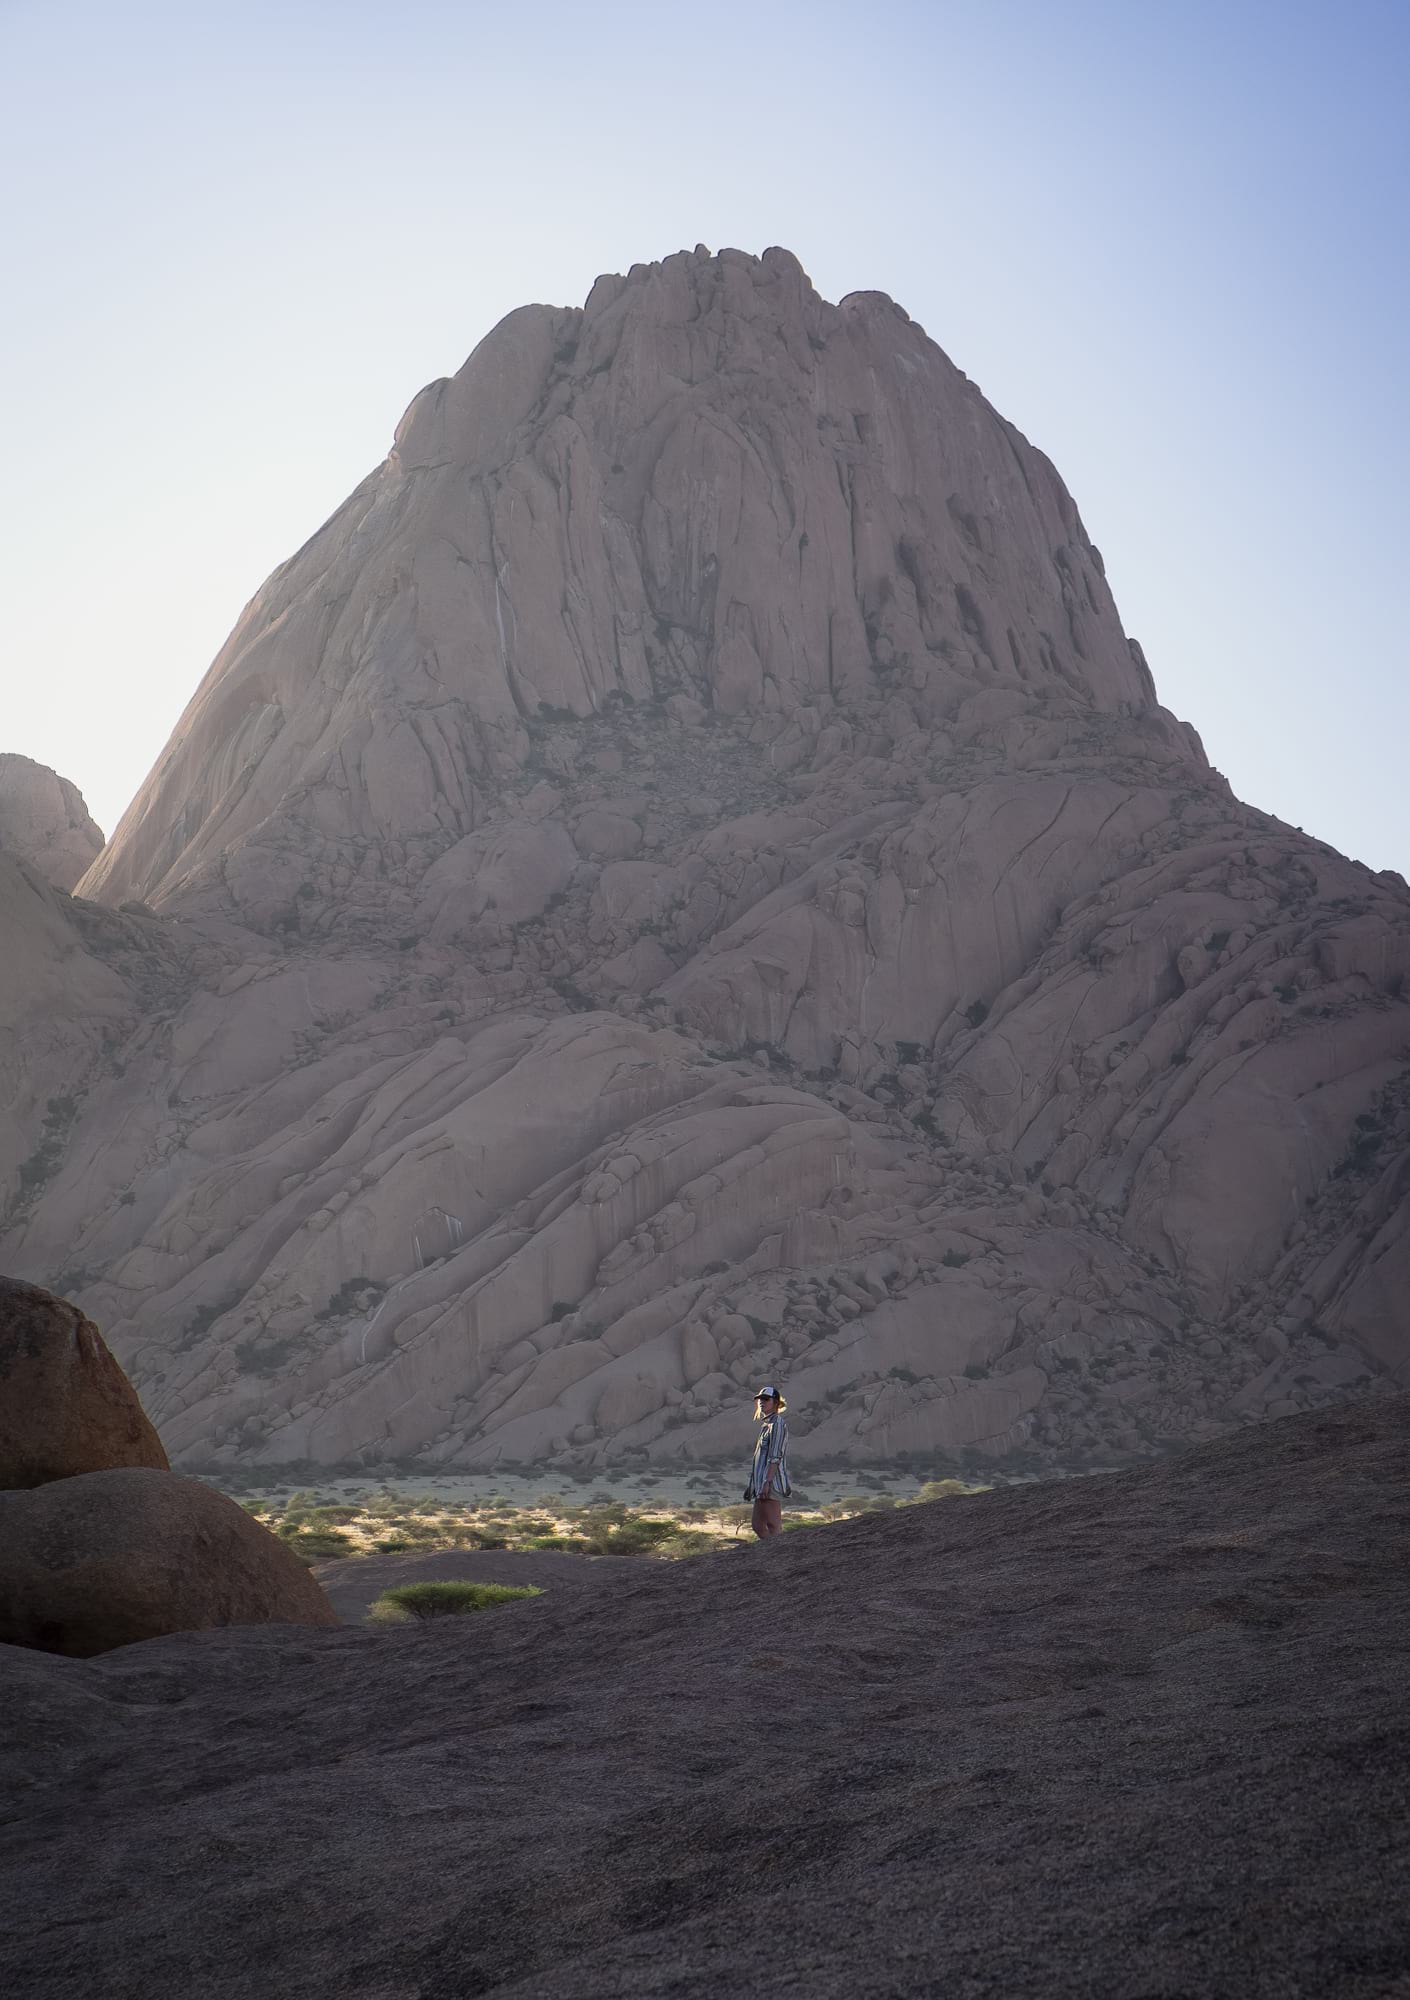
1135, 1735
106, 1559
66, 1408
684, 876
44, 821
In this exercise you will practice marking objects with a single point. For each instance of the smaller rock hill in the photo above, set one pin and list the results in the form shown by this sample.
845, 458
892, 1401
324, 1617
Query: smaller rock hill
44, 821
1144, 1734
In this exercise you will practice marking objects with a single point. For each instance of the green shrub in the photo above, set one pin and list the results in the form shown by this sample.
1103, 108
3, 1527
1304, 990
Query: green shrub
633, 1538
605, 1510
943, 1489
443, 1600
692, 1542
317, 1543
341, 1300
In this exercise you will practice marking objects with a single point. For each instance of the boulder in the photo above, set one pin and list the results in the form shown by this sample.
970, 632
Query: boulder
44, 820
109, 1558
66, 1407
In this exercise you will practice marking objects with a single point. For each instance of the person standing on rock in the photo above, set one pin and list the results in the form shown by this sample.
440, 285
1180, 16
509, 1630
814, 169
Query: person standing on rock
768, 1476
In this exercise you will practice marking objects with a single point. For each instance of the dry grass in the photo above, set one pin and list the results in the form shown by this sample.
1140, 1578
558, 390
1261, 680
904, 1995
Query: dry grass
384, 1522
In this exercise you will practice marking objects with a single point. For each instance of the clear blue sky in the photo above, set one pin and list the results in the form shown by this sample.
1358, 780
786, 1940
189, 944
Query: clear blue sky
1168, 238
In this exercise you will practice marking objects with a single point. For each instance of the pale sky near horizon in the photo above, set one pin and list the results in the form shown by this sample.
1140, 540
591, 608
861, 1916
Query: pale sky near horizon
1169, 241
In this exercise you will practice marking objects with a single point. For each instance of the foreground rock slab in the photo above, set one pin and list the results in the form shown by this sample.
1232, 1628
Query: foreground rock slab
1136, 1735
94, 1563
354, 1583
66, 1407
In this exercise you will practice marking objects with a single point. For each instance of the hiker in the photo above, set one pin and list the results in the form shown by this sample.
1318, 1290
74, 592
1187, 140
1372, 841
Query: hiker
768, 1476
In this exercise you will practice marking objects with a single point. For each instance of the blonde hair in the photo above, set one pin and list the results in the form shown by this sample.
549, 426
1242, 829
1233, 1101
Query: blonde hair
759, 1408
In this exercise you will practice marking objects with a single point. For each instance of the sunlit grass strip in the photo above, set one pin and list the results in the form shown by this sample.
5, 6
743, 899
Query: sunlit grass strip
390, 1523
412, 1601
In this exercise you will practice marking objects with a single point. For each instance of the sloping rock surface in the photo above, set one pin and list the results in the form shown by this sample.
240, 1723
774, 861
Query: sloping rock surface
110, 1558
66, 1407
1135, 1735
684, 877
353, 1584
44, 821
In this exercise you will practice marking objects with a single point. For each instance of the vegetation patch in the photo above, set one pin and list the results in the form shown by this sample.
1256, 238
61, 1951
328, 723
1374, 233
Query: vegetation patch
320, 1527
410, 1601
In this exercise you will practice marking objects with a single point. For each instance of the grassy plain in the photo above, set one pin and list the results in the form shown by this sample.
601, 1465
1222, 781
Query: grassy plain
318, 1524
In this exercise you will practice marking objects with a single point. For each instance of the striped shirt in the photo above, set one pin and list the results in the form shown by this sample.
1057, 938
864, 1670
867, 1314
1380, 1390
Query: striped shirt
771, 1452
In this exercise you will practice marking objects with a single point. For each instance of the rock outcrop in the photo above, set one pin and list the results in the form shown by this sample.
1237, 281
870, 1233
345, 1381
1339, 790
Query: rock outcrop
709, 484
1139, 1735
44, 821
101, 1561
66, 1407
685, 876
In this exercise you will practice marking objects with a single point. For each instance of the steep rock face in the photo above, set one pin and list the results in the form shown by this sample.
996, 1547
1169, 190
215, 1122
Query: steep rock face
44, 821
683, 877
709, 482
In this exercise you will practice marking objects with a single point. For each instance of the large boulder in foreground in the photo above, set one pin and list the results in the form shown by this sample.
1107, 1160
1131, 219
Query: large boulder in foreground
104, 1560
66, 1407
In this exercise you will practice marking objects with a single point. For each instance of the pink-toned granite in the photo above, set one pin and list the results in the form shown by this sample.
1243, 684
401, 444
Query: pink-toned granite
684, 878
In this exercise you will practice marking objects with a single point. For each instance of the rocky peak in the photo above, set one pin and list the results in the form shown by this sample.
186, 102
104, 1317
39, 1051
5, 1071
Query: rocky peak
684, 879
44, 820
709, 484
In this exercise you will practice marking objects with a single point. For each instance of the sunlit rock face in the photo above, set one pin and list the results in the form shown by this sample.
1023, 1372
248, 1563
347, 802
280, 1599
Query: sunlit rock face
685, 878
44, 821
707, 483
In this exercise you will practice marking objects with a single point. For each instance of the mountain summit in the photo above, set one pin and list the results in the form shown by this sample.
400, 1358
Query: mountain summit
683, 879
707, 483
